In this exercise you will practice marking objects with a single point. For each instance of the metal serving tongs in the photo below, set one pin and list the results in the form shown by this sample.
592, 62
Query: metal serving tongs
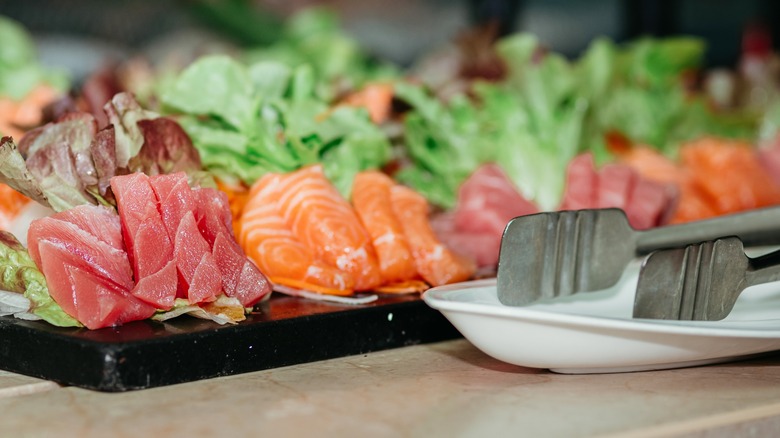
549, 255
700, 282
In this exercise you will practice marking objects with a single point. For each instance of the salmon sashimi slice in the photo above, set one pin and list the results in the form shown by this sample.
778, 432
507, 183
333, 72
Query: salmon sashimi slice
372, 202
269, 241
321, 219
690, 203
747, 186
435, 262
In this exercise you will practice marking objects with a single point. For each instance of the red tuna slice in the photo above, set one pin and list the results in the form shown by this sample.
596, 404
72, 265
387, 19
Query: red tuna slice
199, 278
101, 305
175, 199
99, 223
81, 248
213, 214
91, 299
488, 200
616, 182
647, 204
581, 183
85, 275
94, 221
482, 248
241, 278
159, 288
149, 246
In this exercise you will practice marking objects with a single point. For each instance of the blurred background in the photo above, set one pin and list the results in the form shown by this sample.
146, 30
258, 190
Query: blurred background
80, 34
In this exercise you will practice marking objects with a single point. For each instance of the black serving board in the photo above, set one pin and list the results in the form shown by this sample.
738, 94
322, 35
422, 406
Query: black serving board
282, 331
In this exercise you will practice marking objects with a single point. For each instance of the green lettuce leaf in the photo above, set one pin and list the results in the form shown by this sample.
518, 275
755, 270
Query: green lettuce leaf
20, 71
279, 124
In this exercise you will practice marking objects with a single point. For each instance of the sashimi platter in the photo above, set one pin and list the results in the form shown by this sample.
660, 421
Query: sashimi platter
290, 202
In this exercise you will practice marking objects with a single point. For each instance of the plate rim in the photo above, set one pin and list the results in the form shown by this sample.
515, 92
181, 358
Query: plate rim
434, 298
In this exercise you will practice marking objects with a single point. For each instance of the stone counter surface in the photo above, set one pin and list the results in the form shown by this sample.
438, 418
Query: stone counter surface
444, 389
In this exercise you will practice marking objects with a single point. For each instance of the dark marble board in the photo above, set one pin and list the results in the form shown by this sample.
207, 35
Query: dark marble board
283, 331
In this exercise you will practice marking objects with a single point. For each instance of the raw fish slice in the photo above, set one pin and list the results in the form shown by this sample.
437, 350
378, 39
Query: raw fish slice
55, 271
747, 186
89, 297
151, 250
241, 278
158, 289
213, 214
268, 241
687, 202
435, 263
101, 305
615, 183
371, 198
581, 183
150, 247
647, 204
488, 200
148, 243
198, 271
325, 223
95, 222
174, 197
81, 249
482, 247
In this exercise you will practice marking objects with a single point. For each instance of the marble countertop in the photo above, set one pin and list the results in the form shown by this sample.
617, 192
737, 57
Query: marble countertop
443, 389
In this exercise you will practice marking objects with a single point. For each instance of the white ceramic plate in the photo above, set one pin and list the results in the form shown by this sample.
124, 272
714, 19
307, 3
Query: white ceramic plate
595, 333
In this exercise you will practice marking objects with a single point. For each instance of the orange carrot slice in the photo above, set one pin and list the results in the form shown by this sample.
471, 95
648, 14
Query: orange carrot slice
377, 98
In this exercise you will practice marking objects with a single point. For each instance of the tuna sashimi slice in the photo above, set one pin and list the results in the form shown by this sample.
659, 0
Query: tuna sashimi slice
199, 279
213, 213
102, 305
88, 277
80, 247
581, 183
149, 243
488, 200
174, 197
158, 289
94, 221
647, 204
482, 248
241, 279
615, 183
